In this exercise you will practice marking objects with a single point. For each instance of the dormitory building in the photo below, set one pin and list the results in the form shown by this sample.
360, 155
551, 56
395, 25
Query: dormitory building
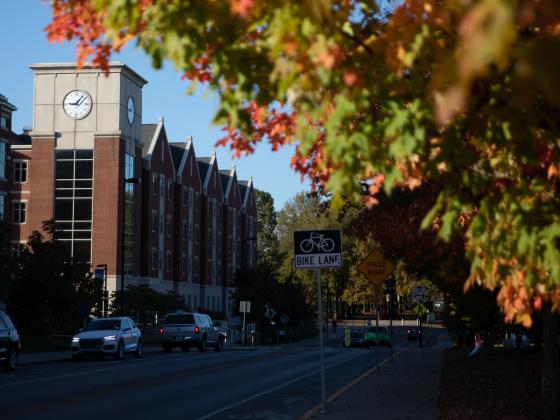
121, 194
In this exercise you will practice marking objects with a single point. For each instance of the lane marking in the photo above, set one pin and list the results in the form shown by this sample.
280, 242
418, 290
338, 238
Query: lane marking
315, 410
268, 391
121, 365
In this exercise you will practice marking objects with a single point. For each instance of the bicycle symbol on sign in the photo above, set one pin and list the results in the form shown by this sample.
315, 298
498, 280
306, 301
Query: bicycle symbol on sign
317, 241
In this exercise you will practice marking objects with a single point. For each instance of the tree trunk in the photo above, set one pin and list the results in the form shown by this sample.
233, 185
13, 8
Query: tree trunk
550, 368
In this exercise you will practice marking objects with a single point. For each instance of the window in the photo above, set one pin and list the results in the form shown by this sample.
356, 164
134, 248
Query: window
169, 189
184, 229
19, 210
17, 250
20, 171
154, 220
154, 259
190, 198
154, 183
2, 206
162, 186
168, 261
73, 201
4, 122
3, 151
168, 225
185, 196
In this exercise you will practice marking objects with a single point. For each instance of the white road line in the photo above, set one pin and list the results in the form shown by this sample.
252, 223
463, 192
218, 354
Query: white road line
87, 372
268, 391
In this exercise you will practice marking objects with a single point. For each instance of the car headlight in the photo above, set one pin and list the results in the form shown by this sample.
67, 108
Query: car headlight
75, 339
109, 338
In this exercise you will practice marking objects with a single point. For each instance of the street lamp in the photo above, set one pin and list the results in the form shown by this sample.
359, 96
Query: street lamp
251, 238
126, 181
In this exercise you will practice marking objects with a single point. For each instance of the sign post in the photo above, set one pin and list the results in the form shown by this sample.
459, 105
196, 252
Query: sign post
419, 295
244, 306
318, 249
101, 275
375, 268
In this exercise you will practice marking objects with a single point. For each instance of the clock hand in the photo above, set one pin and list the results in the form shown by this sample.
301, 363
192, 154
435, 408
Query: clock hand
82, 99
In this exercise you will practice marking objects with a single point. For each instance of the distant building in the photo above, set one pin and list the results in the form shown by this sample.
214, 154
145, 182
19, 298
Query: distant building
91, 165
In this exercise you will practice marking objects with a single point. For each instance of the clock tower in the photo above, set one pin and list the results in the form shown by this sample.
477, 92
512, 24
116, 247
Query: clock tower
86, 141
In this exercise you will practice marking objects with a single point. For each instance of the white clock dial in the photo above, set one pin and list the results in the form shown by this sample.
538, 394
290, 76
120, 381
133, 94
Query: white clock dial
77, 104
130, 110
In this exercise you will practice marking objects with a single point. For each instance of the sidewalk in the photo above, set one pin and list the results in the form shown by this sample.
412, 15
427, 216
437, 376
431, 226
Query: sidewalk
407, 389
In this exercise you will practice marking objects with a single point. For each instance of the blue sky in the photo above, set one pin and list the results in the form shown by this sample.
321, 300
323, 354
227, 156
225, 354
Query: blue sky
25, 43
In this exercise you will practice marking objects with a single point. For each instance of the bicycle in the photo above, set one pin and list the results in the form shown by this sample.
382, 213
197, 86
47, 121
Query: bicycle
317, 240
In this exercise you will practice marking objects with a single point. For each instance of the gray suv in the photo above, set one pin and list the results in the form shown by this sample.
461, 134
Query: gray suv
191, 329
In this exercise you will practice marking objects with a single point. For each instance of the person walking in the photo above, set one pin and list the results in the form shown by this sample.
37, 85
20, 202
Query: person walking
334, 326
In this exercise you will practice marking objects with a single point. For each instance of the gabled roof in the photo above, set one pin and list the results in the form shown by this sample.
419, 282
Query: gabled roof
148, 131
177, 152
245, 187
150, 143
225, 178
204, 167
181, 153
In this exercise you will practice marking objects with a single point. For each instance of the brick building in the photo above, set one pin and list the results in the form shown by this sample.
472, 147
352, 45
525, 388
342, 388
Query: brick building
121, 193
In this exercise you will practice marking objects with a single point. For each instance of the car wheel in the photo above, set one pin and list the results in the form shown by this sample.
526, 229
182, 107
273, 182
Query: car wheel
139, 349
185, 348
219, 344
120, 351
202, 345
167, 348
11, 362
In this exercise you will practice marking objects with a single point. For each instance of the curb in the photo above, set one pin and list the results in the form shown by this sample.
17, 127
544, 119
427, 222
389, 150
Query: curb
312, 412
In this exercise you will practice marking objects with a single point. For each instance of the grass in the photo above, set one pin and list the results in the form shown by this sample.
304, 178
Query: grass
497, 383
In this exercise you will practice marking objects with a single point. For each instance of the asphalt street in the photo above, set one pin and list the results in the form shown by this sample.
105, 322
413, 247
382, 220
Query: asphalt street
273, 383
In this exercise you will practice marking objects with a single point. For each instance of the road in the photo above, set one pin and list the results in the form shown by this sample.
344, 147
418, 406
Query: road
273, 383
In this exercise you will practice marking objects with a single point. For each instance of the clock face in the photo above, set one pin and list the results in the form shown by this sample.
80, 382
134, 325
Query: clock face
77, 104
130, 110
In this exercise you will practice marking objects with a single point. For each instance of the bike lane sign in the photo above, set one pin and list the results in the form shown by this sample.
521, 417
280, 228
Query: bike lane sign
319, 248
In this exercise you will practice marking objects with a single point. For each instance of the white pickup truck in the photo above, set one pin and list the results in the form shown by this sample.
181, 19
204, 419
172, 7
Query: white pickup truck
190, 329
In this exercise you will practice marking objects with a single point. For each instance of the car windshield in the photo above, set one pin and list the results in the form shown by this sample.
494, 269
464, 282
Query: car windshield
104, 324
179, 319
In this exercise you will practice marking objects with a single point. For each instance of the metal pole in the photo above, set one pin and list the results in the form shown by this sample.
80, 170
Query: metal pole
391, 323
105, 302
122, 244
377, 330
321, 345
244, 332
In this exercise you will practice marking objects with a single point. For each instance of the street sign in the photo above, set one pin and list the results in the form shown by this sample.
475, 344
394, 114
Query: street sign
99, 274
245, 306
419, 293
269, 312
420, 309
376, 268
317, 248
